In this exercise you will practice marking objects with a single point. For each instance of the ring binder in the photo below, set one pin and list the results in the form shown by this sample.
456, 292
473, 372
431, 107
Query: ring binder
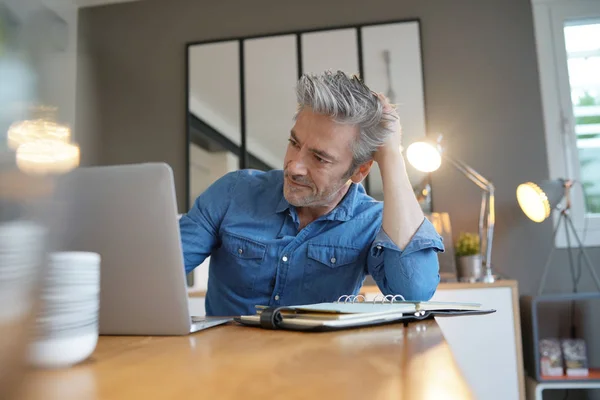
352, 311
351, 299
384, 299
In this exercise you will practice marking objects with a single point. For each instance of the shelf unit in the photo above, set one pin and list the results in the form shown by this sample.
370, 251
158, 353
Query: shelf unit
536, 382
535, 389
594, 375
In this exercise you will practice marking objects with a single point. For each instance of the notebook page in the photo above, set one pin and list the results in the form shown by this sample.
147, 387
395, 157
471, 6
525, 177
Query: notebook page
354, 308
443, 305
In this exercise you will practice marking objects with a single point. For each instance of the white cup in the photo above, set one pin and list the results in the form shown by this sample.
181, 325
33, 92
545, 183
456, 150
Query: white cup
68, 328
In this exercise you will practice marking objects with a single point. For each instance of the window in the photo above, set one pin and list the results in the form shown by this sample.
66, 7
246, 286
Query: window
582, 43
568, 48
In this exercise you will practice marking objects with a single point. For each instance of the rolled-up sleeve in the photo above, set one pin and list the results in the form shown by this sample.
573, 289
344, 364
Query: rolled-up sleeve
412, 272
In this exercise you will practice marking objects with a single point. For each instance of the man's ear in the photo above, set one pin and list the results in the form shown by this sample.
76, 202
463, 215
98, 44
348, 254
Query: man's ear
361, 172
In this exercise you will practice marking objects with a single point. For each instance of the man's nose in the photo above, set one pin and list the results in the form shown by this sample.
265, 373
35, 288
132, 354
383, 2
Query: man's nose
296, 165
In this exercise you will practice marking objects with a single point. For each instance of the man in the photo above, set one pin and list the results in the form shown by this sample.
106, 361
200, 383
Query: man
310, 233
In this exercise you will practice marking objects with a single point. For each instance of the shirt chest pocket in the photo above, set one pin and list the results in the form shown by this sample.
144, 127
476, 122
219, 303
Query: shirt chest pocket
243, 248
332, 271
242, 258
332, 256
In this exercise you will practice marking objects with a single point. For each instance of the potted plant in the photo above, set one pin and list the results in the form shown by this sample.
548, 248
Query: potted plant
468, 257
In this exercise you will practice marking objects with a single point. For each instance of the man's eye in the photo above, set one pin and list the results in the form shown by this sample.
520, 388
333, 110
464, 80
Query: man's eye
321, 160
293, 143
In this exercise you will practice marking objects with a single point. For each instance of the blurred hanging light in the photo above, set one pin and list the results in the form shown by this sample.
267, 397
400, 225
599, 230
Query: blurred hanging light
41, 126
47, 156
29, 131
42, 145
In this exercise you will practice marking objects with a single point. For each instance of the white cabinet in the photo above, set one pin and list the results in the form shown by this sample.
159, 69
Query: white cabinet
487, 348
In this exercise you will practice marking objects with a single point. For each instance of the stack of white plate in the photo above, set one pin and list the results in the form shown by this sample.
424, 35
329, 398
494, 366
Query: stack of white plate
67, 323
21, 261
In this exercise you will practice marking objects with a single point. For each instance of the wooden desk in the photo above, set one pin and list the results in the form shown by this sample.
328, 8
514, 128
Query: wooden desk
235, 362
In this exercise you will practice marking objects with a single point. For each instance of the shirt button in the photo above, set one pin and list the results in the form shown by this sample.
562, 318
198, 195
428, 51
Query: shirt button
284, 258
240, 251
276, 297
333, 260
378, 247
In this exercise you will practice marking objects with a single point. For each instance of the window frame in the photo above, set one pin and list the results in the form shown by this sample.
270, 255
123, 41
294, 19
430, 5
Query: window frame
559, 120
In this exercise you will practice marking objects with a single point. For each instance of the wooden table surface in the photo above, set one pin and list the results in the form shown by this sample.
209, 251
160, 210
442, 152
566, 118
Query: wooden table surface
235, 362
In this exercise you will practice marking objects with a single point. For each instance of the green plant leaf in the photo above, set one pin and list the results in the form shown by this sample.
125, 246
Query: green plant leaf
467, 244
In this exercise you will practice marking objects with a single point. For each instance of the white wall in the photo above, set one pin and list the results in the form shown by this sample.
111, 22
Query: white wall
207, 167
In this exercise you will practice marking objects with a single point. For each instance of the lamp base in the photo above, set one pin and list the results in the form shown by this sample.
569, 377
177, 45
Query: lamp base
490, 278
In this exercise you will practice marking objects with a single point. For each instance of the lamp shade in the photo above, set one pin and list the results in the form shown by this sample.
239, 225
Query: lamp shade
424, 156
538, 200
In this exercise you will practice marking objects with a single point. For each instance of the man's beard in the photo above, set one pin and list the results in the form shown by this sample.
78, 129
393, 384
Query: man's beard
314, 199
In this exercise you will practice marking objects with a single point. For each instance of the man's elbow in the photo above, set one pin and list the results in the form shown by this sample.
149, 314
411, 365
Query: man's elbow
422, 290
426, 277
420, 277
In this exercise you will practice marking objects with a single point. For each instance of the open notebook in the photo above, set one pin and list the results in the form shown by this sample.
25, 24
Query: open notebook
349, 313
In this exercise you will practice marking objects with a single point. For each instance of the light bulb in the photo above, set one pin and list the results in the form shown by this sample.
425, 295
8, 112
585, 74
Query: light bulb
533, 201
424, 156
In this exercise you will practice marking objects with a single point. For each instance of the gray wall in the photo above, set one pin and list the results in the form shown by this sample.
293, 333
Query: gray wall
481, 85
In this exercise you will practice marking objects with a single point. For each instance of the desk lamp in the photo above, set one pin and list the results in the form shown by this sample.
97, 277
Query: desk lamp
537, 200
426, 156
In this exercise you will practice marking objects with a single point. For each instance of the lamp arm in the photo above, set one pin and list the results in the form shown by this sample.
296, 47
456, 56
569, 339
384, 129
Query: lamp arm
487, 216
470, 173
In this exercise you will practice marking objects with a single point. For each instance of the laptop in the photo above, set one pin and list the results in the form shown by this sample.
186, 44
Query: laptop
128, 214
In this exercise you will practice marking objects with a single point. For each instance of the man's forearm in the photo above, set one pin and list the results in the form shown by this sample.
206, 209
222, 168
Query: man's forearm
402, 214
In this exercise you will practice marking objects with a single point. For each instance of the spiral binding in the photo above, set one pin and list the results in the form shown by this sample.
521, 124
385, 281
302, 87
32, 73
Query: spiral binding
378, 299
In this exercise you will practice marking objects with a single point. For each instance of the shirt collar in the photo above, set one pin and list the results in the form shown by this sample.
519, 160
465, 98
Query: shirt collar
283, 204
342, 212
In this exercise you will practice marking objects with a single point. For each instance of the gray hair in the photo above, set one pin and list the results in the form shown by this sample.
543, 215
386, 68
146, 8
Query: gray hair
347, 100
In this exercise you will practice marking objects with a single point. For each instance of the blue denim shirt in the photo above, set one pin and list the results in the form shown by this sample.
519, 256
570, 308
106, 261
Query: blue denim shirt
258, 256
